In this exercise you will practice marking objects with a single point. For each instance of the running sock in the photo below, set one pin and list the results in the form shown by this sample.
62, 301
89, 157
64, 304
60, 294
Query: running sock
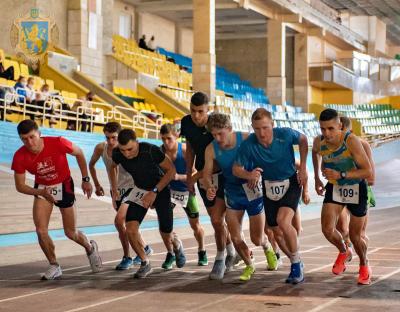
220, 255
230, 249
266, 246
295, 257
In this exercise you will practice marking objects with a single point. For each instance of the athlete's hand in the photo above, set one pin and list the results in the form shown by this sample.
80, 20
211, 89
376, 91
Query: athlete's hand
211, 193
305, 197
254, 177
99, 190
302, 176
319, 187
46, 194
87, 189
330, 174
148, 199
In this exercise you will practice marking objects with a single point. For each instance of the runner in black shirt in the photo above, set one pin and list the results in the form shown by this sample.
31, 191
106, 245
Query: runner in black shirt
152, 171
197, 138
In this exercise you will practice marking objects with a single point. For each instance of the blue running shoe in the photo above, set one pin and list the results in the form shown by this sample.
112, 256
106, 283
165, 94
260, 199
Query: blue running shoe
125, 264
296, 275
148, 250
180, 258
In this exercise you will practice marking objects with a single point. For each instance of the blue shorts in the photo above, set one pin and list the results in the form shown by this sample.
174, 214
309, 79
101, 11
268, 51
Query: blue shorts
240, 203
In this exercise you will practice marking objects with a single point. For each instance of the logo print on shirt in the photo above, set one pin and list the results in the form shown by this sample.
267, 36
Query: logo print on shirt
46, 168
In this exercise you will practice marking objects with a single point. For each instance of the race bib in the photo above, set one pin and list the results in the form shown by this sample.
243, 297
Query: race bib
179, 198
275, 190
55, 190
255, 193
136, 196
214, 181
346, 194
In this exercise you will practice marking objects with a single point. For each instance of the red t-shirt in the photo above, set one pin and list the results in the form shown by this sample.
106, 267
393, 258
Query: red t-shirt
50, 166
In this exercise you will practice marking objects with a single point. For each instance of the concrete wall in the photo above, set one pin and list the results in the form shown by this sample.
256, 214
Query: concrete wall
12, 9
247, 57
120, 7
185, 44
162, 29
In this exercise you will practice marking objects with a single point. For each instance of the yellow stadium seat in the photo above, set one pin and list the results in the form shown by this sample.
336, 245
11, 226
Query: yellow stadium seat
117, 90
3, 81
38, 82
147, 107
11, 83
136, 105
153, 107
142, 107
24, 70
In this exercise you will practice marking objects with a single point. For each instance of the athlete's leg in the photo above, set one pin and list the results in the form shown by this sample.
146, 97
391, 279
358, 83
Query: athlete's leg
343, 225
257, 225
359, 243
198, 232
135, 240
70, 230
284, 220
234, 222
364, 229
217, 216
41, 216
121, 228
296, 222
329, 216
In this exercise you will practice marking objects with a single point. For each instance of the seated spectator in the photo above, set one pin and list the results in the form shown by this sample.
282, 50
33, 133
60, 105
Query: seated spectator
6, 73
20, 88
87, 111
44, 105
151, 46
30, 90
142, 43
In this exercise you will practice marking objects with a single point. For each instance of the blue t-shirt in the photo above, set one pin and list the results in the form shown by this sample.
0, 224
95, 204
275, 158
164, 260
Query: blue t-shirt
276, 160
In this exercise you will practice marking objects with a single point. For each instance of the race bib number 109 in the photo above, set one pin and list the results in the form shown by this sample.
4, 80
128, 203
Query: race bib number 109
346, 194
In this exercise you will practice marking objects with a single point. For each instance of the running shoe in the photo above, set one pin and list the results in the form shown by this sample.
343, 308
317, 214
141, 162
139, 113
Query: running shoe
364, 275
296, 275
203, 260
125, 264
272, 260
169, 261
53, 272
180, 258
340, 264
144, 270
148, 250
247, 273
218, 270
94, 258
229, 263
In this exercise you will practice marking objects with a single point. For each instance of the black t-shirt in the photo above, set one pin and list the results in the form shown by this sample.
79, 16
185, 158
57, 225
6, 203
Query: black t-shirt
198, 137
144, 168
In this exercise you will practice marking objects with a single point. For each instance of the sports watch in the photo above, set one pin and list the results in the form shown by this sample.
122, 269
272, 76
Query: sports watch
155, 190
343, 174
85, 179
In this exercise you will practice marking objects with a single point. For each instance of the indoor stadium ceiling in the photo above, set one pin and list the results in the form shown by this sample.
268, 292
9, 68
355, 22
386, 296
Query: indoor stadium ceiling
386, 10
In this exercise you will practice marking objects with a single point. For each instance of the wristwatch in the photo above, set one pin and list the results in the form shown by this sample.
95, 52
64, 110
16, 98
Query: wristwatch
86, 179
155, 190
343, 174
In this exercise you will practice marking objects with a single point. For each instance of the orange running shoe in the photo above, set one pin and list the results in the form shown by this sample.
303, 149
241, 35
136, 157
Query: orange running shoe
364, 275
340, 264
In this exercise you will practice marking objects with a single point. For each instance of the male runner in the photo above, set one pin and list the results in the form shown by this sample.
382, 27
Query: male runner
125, 185
269, 153
345, 166
46, 159
197, 138
152, 171
239, 197
179, 193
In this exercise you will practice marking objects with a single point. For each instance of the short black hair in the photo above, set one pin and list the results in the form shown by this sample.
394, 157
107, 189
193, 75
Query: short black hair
199, 98
26, 126
328, 114
167, 128
112, 127
125, 136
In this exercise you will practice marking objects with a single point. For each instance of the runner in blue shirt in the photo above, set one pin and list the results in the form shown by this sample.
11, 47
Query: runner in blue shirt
268, 153
238, 196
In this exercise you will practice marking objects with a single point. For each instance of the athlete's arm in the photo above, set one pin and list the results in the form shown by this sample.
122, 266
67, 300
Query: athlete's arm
189, 158
208, 171
302, 175
316, 159
20, 185
113, 182
368, 151
252, 177
98, 150
80, 158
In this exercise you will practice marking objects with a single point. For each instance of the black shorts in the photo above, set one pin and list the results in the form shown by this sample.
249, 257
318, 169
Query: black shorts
220, 192
357, 210
68, 194
290, 199
163, 208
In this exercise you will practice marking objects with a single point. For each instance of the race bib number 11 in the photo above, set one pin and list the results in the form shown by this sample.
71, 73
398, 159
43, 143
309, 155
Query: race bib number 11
255, 193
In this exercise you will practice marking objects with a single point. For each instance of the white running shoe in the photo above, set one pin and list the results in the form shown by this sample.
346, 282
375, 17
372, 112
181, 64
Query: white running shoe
94, 258
53, 272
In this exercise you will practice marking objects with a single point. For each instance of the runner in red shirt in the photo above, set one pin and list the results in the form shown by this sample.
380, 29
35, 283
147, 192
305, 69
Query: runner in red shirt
46, 159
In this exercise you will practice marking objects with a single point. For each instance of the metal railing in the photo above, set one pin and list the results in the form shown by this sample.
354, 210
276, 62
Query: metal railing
89, 112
